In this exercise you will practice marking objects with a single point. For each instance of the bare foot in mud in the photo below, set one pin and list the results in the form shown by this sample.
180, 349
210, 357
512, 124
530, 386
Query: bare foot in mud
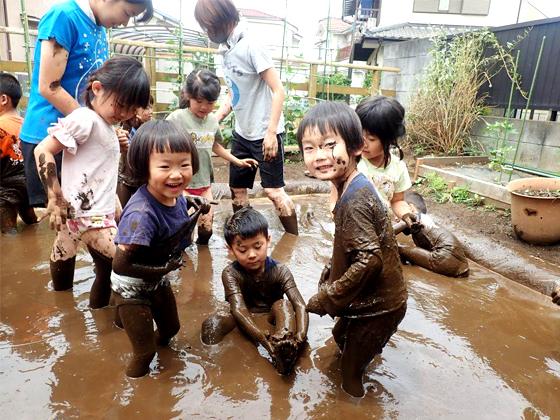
285, 350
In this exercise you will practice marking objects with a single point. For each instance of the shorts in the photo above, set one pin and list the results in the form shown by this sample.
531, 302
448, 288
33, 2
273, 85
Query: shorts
272, 173
79, 225
196, 191
35, 189
13, 189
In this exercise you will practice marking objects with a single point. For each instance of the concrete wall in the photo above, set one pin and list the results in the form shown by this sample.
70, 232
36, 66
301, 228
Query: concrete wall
412, 57
540, 143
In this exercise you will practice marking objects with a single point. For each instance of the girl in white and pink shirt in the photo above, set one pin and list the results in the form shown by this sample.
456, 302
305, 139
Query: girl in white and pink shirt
83, 208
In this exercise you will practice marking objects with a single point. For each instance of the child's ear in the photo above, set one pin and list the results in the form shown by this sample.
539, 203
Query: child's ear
268, 241
359, 151
413, 208
96, 87
4, 99
230, 251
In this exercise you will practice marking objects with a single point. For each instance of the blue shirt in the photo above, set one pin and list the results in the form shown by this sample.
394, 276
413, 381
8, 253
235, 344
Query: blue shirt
145, 220
86, 44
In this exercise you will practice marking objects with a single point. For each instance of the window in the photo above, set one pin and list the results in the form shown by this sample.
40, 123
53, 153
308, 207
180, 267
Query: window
463, 7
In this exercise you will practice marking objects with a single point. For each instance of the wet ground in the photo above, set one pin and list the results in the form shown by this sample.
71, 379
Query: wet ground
484, 347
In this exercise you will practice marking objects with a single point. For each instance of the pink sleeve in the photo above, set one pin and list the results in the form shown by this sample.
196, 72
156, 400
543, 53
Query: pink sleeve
73, 130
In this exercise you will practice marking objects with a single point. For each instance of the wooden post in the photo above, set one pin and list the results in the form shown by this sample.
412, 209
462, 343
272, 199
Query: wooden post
151, 66
375, 82
312, 89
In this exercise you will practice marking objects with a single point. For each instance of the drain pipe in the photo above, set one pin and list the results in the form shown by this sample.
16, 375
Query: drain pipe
545, 174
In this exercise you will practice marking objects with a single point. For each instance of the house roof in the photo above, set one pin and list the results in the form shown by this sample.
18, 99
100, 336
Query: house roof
257, 14
337, 25
408, 31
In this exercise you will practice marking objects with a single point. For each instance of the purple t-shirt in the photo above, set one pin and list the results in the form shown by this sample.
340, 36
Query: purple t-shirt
145, 220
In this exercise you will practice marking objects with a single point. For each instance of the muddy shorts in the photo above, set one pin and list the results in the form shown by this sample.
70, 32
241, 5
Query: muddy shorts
79, 225
134, 288
272, 173
374, 332
35, 190
13, 190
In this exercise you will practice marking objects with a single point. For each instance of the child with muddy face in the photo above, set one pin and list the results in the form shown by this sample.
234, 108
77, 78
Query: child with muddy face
84, 208
437, 249
362, 284
154, 230
255, 283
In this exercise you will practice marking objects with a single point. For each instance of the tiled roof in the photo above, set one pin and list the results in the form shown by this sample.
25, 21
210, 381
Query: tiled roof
337, 25
407, 31
256, 14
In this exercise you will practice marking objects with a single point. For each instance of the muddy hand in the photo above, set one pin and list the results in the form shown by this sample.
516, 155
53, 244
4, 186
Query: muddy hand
175, 262
325, 274
123, 137
248, 163
556, 296
57, 211
200, 203
270, 147
315, 307
265, 341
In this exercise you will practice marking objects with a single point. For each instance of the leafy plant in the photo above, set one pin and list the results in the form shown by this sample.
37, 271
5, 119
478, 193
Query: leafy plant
335, 79
295, 107
500, 131
436, 186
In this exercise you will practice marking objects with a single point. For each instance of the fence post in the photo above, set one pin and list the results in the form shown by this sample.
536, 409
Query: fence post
312, 88
150, 55
375, 82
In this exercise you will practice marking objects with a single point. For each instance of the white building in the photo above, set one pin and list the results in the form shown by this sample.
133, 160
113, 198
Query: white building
339, 39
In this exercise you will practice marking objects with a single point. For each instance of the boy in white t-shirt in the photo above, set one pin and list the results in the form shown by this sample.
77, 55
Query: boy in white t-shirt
256, 95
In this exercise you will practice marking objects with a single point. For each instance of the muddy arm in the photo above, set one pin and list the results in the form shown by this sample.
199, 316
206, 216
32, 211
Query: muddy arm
302, 318
399, 227
126, 263
338, 295
417, 256
245, 322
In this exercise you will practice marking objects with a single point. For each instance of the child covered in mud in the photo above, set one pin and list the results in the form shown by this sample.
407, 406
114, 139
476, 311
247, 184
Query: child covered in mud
13, 187
154, 230
363, 283
255, 283
84, 208
200, 94
437, 249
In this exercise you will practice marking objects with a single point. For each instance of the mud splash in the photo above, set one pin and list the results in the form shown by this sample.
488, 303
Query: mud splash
482, 347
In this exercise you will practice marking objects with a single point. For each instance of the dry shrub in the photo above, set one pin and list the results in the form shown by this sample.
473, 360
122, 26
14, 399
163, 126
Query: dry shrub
447, 103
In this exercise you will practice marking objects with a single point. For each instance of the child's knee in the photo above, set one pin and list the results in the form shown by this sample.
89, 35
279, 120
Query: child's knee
215, 328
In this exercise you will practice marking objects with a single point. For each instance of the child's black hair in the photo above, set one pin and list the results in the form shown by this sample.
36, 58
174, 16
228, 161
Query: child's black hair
158, 137
10, 87
417, 201
201, 83
124, 77
337, 118
383, 117
148, 11
216, 14
245, 223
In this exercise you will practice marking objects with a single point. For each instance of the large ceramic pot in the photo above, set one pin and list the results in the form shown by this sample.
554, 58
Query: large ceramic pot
535, 219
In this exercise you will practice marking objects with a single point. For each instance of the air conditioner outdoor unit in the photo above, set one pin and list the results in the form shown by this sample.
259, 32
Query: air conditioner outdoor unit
371, 23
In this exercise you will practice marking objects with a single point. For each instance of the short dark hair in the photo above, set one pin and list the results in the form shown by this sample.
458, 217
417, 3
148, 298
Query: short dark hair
201, 84
383, 117
159, 137
213, 14
10, 87
417, 201
245, 223
337, 118
148, 11
124, 77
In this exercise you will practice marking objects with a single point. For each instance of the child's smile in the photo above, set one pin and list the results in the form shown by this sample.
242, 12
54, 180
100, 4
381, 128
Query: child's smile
170, 173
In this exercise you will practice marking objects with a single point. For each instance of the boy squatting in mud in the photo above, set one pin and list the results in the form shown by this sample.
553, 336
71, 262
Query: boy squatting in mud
255, 283
436, 249
363, 282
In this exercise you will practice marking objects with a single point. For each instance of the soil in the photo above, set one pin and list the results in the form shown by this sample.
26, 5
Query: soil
493, 224
539, 193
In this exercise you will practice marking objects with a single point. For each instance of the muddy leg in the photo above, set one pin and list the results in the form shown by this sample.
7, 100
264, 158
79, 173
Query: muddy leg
285, 209
8, 220
101, 246
138, 324
164, 310
26, 212
355, 358
63, 259
239, 198
205, 221
339, 332
417, 256
283, 340
215, 328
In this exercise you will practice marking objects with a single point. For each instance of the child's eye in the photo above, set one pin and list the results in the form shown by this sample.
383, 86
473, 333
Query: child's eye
330, 145
163, 167
186, 165
307, 149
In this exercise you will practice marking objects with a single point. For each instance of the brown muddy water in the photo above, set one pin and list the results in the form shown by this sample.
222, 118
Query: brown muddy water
480, 348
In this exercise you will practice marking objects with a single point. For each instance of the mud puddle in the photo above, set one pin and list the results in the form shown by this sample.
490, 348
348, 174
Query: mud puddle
484, 348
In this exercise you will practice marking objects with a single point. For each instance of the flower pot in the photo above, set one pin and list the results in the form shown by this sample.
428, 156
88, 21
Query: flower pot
535, 219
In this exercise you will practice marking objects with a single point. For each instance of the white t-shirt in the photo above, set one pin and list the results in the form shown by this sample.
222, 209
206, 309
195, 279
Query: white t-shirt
251, 96
388, 181
90, 162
